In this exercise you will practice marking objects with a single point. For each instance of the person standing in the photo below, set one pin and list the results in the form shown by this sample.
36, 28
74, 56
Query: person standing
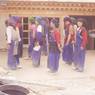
54, 46
67, 53
36, 54
80, 46
32, 36
39, 33
13, 39
20, 46
44, 30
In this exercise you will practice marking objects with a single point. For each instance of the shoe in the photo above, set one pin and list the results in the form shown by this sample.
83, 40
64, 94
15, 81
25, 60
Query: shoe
79, 70
69, 63
52, 71
75, 68
19, 67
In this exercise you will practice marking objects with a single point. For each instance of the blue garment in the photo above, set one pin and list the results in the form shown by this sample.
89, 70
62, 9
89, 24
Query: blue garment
79, 55
17, 59
53, 61
54, 54
13, 60
36, 56
31, 44
67, 53
39, 37
45, 40
20, 46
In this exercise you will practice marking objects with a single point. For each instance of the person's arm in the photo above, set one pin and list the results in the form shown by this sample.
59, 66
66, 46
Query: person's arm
9, 35
58, 40
84, 38
34, 31
70, 33
17, 30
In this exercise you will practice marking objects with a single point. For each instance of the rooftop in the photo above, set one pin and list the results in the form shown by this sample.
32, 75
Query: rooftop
91, 1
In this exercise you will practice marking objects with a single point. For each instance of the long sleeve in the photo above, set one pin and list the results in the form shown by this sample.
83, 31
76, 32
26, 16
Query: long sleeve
84, 36
9, 35
16, 34
19, 38
71, 30
58, 37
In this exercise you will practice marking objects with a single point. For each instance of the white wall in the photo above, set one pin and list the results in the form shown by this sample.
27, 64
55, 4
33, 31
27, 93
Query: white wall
2, 31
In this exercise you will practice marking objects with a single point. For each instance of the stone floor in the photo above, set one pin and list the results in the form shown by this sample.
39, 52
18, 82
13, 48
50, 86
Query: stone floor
40, 82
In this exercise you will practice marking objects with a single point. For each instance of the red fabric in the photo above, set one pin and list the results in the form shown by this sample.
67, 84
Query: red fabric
84, 36
57, 37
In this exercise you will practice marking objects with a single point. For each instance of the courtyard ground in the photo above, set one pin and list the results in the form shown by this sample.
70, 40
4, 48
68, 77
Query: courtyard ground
41, 82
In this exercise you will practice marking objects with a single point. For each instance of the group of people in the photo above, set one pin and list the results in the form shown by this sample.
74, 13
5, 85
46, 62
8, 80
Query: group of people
75, 43
45, 36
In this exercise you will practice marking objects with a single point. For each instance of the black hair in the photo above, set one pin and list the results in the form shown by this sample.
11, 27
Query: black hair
55, 22
67, 19
82, 20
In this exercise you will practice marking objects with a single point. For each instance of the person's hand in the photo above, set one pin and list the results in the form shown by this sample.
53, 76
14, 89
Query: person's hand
66, 44
60, 49
8, 46
73, 42
82, 48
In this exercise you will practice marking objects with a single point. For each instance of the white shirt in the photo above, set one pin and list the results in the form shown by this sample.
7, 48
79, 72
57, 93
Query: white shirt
12, 34
9, 34
16, 35
36, 48
39, 28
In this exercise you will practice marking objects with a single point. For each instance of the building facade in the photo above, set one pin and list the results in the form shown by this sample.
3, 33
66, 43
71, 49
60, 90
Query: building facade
26, 9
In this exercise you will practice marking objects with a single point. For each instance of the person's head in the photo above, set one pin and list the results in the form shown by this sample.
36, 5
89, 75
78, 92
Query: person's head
36, 42
74, 20
46, 21
32, 20
67, 21
80, 22
8, 22
38, 20
54, 23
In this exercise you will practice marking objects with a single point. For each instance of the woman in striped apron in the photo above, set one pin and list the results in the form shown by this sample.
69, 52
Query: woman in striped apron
80, 46
54, 47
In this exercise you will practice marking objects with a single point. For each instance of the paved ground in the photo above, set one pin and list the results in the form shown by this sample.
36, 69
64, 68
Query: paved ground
65, 82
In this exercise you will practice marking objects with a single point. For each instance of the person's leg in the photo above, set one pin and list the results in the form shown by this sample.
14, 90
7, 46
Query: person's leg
75, 58
11, 57
81, 60
36, 55
70, 54
20, 49
57, 56
51, 61
65, 53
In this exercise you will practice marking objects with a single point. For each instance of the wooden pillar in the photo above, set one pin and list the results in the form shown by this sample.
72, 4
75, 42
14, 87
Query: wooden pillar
3, 43
61, 27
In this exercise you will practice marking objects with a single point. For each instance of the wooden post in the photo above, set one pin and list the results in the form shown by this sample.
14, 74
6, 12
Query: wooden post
61, 27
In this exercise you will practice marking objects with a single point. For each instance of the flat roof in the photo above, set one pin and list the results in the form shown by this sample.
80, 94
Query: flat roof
84, 1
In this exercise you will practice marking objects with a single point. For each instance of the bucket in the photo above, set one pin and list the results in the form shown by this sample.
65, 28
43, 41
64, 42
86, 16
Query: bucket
14, 90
